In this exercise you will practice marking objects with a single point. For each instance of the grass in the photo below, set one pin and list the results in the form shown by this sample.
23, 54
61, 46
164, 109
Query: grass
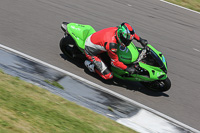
191, 4
54, 83
25, 108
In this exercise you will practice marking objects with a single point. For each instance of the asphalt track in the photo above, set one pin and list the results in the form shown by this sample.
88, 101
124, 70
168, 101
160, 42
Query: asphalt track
33, 27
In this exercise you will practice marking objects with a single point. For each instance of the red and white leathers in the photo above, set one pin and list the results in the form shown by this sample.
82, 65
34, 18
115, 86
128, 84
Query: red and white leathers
104, 41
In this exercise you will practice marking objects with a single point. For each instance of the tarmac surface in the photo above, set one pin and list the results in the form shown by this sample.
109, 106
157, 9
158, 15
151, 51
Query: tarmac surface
33, 27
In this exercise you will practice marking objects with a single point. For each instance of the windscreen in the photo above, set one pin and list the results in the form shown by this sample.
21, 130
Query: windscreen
154, 60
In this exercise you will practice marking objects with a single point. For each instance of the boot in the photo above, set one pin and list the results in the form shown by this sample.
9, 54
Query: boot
89, 65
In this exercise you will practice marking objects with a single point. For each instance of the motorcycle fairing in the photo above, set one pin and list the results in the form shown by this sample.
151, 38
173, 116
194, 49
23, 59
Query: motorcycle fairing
151, 74
127, 55
79, 33
161, 61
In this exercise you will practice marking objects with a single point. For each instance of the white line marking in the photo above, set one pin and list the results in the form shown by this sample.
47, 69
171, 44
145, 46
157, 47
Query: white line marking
100, 87
110, 115
196, 49
180, 6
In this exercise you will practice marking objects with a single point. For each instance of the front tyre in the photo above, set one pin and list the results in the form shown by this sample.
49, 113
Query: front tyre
158, 85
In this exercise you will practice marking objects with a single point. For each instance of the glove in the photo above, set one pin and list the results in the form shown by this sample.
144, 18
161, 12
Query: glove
143, 42
130, 70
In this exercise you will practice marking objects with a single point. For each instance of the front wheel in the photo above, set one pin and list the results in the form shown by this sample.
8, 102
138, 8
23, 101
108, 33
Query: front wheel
158, 85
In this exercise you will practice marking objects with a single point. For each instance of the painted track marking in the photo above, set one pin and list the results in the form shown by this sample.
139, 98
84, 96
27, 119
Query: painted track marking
180, 6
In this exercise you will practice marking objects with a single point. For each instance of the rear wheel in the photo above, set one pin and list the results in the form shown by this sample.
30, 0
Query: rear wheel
158, 85
67, 46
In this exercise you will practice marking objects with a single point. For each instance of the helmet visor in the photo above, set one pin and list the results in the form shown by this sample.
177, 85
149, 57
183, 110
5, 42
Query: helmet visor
125, 41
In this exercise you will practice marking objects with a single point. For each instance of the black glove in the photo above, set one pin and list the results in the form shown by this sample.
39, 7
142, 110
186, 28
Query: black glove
143, 42
130, 70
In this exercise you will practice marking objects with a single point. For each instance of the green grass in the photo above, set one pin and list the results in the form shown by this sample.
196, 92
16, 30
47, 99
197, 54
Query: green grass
191, 4
25, 108
54, 83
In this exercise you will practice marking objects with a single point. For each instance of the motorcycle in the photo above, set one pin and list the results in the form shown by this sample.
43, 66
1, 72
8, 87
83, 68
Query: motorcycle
151, 64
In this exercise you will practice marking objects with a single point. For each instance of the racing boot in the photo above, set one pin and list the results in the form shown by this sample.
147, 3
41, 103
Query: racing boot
89, 65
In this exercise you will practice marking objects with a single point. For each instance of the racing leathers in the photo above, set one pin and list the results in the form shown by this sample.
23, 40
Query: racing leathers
104, 41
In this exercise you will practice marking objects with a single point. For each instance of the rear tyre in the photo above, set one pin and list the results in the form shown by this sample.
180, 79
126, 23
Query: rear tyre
158, 85
67, 46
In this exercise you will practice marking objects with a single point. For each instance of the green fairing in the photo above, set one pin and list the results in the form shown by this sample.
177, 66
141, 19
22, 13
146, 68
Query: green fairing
79, 33
161, 56
136, 77
154, 72
127, 55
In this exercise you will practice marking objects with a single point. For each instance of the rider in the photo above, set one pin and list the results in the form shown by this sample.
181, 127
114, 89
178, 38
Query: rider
107, 40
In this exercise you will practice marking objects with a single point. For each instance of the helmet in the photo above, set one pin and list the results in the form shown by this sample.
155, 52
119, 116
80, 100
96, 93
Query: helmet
125, 34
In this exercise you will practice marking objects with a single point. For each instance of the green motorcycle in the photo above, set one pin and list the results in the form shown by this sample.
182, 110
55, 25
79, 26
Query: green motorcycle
152, 66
